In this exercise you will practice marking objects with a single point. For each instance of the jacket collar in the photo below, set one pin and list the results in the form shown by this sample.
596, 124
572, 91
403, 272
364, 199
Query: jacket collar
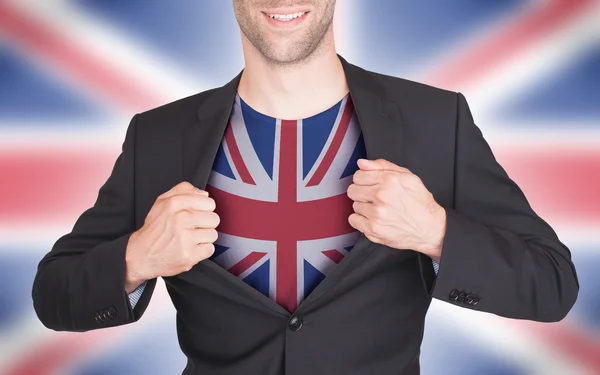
379, 119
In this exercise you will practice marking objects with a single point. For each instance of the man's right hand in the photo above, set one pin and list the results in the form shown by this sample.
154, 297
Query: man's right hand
178, 232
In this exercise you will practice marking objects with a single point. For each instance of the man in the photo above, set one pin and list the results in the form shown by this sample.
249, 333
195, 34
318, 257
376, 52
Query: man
284, 252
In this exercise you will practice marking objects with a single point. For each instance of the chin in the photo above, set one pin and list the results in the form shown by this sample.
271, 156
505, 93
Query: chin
284, 52
285, 57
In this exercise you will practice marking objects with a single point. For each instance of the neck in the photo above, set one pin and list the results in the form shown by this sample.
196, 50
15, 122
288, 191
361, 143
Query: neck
293, 91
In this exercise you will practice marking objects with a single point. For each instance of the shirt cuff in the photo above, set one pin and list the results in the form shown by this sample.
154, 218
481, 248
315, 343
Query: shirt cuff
134, 296
436, 266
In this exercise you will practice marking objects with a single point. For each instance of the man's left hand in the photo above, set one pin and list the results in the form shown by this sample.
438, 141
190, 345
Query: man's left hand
393, 207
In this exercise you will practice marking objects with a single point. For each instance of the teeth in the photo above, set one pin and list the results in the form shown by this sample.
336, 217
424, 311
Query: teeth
286, 17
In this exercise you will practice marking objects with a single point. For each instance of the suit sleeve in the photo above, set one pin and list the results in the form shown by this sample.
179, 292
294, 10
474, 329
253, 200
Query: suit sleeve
80, 283
498, 255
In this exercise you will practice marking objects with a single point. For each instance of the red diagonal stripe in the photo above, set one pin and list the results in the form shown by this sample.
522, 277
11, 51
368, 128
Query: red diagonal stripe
567, 338
89, 69
458, 72
250, 259
334, 146
334, 255
236, 156
45, 358
508, 42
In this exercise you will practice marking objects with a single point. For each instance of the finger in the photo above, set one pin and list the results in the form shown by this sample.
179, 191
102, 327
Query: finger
361, 193
358, 222
204, 235
363, 209
363, 177
203, 251
183, 188
192, 219
190, 201
380, 164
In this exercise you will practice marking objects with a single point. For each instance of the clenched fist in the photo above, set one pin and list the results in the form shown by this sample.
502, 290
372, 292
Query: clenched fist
178, 232
393, 207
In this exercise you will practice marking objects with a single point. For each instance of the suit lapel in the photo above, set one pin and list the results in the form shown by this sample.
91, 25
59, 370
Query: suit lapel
380, 123
202, 136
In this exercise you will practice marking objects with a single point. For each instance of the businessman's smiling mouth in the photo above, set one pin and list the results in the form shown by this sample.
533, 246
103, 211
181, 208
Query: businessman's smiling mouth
285, 20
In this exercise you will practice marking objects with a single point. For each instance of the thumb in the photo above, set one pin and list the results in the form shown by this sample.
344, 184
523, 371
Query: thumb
379, 164
367, 164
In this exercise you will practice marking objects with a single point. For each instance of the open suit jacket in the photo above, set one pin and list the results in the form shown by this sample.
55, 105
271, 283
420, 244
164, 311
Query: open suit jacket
367, 316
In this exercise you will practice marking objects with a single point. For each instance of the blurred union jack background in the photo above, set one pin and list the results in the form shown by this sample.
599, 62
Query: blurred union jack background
74, 72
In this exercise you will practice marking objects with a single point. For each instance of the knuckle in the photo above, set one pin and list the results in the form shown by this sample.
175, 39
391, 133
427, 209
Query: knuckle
411, 179
184, 254
388, 179
207, 235
380, 194
183, 237
193, 256
416, 179
373, 229
368, 227
192, 259
185, 185
175, 203
184, 240
180, 218
379, 210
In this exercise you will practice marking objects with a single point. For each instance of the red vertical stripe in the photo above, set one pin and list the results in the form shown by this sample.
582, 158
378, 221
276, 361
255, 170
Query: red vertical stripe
286, 293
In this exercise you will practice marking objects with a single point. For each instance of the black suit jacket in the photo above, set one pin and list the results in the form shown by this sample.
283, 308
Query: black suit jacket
367, 316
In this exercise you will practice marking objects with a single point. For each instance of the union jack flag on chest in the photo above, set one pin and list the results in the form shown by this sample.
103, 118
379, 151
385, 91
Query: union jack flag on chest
280, 192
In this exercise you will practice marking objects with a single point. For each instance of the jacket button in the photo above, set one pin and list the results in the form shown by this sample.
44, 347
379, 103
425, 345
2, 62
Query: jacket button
99, 317
472, 299
453, 295
112, 312
295, 323
105, 315
461, 296
469, 299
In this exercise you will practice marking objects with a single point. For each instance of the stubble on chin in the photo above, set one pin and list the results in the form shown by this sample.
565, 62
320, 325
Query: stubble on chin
299, 50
